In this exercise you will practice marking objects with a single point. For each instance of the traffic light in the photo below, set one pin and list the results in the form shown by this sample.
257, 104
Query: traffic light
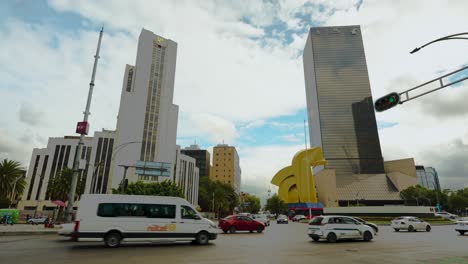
386, 102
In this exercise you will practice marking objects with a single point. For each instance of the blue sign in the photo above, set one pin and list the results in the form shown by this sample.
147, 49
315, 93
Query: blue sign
149, 168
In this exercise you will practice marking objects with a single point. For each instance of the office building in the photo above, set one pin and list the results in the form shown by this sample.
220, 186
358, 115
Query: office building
147, 119
47, 163
342, 118
428, 177
187, 176
226, 167
202, 156
98, 177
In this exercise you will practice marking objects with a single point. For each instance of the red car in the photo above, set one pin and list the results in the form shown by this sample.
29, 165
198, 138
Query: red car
235, 223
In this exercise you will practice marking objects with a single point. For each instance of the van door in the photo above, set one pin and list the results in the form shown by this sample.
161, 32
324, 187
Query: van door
160, 221
190, 222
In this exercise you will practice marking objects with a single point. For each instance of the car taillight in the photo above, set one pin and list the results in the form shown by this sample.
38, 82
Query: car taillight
77, 226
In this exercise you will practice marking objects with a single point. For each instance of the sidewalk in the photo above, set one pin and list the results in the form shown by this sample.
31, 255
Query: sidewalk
25, 229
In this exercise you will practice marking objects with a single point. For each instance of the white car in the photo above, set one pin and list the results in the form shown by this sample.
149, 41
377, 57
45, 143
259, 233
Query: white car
446, 215
116, 218
37, 221
410, 223
462, 226
298, 218
336, 227
262, 218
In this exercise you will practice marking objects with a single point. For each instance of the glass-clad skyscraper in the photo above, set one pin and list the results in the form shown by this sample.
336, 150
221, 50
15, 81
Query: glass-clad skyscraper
339, 101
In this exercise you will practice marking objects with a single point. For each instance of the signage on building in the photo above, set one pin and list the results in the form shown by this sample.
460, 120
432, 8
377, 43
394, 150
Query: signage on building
82, 128
149, 168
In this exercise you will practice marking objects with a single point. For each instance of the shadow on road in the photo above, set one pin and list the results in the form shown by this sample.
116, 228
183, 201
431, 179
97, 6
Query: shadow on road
100, 246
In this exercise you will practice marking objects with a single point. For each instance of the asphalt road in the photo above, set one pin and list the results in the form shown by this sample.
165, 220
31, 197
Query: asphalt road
278, 244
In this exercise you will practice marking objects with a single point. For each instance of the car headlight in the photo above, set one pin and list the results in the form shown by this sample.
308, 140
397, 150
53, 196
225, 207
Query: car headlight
212, 225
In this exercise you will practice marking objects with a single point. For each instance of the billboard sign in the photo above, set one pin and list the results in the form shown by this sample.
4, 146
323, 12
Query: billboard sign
82, 128
149, 168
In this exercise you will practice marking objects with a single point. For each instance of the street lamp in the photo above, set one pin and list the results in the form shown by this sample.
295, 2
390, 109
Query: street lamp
449, 37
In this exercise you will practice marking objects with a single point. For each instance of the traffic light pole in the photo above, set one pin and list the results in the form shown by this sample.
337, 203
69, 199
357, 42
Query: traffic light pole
405, 96
76, 159
393, 99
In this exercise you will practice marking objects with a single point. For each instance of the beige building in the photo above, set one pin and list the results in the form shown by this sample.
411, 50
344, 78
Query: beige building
367, 189
226, 168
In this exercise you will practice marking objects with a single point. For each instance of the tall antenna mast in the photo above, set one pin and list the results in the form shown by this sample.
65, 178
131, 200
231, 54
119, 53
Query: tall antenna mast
82, 129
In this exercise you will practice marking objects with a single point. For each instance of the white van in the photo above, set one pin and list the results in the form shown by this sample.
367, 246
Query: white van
116, 218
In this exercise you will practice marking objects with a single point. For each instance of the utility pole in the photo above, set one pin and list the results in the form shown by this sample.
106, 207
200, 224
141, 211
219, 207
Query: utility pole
82, 129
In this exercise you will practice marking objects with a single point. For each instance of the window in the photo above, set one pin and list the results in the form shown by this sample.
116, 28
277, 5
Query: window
348, 221
187, 212
136, 210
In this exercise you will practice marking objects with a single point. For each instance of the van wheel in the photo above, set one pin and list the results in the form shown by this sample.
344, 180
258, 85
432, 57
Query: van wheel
331, 237
232, 229
112, 239
316, 239
428, 228
367, 236
202, 238
410, 228
397, 229
461, 232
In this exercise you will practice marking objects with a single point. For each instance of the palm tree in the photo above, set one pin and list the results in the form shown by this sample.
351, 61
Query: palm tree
12, 179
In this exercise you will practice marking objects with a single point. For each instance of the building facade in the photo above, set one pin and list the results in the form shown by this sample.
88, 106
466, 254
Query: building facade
428, 177
187, 176
226, 166
339, 101
98, 175
147, 119
202, 157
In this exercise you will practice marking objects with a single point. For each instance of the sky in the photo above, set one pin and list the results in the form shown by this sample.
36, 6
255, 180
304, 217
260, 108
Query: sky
239, 77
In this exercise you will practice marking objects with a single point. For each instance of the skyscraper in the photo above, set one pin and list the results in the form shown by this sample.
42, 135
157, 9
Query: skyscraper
202, 156
339, 101
226, 167
147, 120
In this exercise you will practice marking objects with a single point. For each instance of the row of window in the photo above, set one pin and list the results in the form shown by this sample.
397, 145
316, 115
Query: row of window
166, 211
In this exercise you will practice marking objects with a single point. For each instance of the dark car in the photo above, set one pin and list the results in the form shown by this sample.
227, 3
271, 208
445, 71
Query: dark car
364, 222
282, 219
235, 223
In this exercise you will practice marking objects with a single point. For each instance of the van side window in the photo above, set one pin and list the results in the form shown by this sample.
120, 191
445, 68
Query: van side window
160, 210
136, 210
187, 212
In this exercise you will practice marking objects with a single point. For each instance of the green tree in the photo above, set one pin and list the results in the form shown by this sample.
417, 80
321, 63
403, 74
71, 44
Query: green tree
275, 205
11, 176
164, 188
251, 204
458, 201
59, 186
225, 198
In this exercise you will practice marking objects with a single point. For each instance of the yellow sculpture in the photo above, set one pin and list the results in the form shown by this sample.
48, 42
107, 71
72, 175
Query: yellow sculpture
296, 182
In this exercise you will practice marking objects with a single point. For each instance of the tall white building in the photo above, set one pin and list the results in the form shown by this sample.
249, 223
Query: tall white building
147, 120
48, 162
187, 176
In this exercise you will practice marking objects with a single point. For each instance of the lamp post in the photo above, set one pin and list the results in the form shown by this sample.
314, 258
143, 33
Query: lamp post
449, 37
